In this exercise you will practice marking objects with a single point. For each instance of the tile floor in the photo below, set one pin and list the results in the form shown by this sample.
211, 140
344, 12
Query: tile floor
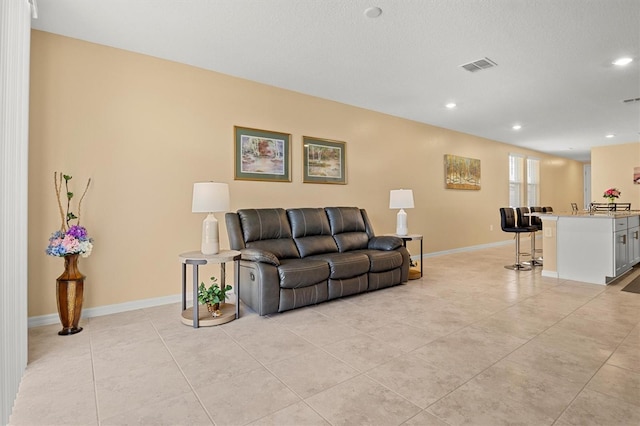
470, 343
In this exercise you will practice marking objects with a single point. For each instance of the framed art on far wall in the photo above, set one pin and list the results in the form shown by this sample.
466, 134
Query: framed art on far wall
461, 172
262, 155
324, 161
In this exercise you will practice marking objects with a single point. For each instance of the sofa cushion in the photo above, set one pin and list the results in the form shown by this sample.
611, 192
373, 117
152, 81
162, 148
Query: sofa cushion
385, 242
264, 224
383, 260
345, 265
349, 241
345, 219
292, 298
283, 248
307, 222
347, 287
308, 246
378, 280
311, 232
268, 229
296, 273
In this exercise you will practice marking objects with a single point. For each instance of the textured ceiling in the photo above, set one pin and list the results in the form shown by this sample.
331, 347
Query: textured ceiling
554, 73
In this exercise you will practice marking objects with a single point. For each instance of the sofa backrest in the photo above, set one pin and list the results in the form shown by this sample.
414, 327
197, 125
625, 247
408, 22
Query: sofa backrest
348, 228
268, 229
311, 231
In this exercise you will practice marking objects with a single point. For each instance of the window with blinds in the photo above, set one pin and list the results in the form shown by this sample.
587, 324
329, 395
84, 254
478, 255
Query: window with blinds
516, 180
533, 182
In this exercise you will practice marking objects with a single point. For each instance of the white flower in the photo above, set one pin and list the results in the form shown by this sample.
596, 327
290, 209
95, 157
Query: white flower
85, 248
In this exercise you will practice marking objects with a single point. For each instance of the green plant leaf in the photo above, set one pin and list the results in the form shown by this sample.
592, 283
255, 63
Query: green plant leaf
69, 195
67, 177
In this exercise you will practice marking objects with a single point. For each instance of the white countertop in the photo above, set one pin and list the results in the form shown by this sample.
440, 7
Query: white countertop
583, 214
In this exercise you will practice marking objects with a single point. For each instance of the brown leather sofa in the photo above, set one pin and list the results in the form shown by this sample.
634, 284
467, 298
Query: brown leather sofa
299, 257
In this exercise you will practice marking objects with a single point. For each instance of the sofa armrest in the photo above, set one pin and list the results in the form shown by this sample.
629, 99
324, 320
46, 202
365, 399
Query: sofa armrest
257, 255
385, 242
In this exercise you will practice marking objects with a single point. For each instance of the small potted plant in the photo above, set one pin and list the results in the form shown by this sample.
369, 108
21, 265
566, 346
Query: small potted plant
213, 296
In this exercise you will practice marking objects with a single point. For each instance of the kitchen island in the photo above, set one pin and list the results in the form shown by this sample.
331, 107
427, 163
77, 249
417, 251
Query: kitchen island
590, 247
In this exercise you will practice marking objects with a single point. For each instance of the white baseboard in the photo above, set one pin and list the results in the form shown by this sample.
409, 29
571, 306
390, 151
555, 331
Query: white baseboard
550, 274
110, 309
466, 249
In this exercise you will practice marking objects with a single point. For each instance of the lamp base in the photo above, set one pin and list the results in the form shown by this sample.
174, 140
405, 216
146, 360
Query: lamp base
210, 242
401, 223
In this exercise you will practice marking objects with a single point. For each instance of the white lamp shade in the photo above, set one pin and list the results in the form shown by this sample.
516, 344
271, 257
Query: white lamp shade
209, 197
401, 199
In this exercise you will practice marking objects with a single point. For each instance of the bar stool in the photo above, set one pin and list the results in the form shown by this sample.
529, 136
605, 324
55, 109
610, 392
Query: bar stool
508, 224
526, 221
537, 222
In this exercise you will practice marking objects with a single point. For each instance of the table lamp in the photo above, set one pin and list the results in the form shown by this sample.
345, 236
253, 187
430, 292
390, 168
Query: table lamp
210, 197
401, 199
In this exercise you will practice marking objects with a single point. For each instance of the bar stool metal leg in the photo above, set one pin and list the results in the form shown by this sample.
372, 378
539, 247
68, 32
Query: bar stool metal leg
518, 266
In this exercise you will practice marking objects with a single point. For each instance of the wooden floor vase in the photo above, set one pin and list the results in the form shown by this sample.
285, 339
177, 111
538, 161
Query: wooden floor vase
69, 288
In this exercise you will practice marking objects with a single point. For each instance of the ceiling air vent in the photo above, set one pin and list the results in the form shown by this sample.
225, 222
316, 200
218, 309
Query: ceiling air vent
631, 100
480, 64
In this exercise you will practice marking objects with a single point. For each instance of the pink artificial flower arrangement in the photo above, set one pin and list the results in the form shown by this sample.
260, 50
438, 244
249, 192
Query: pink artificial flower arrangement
612, 193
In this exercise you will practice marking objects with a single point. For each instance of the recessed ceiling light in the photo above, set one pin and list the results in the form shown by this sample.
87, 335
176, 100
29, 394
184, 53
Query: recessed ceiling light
623, 61
516, 127
372, 12
451, 105
609, 136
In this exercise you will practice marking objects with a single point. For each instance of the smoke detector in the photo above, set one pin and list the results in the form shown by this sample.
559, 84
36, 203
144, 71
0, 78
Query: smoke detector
479, 65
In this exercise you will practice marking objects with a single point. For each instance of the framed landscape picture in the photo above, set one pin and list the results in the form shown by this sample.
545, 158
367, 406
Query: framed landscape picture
461, 172
262, 155
324, 161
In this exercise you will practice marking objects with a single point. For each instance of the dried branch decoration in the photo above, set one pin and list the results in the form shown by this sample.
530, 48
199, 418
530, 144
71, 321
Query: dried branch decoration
57, 179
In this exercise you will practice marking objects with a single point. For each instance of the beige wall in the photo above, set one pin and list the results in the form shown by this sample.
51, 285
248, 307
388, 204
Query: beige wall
145, 129
612, 166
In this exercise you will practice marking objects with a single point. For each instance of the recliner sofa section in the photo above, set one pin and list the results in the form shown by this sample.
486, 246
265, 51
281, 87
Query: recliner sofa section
299, 257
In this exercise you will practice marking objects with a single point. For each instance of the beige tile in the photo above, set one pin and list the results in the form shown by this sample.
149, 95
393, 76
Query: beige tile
625, 317
475, 404
556, 362
298, 414
519, 321
627, 356
546, 394
468, 351
244, 398
403, 336
45, 343
363, 352
132, 389
223, 357
609, 335
181, 410
362, 401
56, 402
311, 372
416, 380
323, 331
106, 322
596, 409
122, 336
120, 359
424, 418
276, 345
617, 382
572, 342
